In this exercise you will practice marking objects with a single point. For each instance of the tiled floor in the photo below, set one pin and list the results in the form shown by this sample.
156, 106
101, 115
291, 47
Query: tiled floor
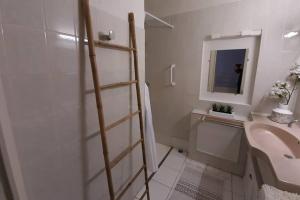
164, 181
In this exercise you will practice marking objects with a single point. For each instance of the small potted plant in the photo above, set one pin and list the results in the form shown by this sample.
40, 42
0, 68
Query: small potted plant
220, 110
215, 107
284, 90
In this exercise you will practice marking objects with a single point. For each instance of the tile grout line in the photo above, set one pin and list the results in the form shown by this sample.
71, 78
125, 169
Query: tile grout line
177, 171
177, 179
159, 165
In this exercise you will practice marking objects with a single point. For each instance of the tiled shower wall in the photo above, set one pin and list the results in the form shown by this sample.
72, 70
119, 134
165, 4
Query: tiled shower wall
45, 73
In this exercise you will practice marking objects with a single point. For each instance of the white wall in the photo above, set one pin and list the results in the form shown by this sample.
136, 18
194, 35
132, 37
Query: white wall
120, 9
173, 7
52, 118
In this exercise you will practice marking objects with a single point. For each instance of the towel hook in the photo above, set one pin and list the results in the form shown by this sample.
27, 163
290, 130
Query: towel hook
109, 36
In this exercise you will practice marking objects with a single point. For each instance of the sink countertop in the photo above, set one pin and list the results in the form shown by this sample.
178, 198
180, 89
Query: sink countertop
287, 171
294, 130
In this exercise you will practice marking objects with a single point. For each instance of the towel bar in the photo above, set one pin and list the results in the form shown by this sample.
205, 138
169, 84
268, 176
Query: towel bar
221, 121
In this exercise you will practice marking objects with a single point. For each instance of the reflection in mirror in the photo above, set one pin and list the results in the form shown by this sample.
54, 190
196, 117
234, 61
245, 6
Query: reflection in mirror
226, 70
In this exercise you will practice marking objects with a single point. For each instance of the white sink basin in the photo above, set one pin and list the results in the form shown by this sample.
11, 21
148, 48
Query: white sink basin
279, 146
274, 141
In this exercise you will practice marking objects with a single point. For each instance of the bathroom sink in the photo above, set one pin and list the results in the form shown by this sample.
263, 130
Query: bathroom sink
275, 141
279, 147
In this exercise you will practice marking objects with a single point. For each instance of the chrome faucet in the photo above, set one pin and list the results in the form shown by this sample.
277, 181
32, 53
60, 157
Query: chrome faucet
292, 122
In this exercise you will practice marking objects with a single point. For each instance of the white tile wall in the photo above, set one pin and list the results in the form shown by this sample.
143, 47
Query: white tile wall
62, 59
27, 13
25, 50
60, 18
44, 71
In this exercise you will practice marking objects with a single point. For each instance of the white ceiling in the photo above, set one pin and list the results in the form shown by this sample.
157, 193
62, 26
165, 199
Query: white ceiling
163, 8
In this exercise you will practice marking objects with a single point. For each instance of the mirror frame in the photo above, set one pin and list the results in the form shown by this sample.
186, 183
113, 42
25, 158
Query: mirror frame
250, 42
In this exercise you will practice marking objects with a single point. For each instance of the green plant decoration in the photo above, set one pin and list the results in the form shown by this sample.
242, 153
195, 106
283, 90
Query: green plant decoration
222, 108
215, 107
229, 109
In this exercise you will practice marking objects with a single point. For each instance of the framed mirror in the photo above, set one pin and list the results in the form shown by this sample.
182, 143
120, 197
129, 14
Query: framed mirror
227, 70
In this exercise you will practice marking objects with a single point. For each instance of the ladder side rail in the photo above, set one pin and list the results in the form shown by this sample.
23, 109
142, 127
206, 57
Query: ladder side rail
92, 55
138, 92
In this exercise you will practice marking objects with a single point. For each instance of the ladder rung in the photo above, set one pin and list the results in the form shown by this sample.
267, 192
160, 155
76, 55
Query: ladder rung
113, 85
92, 135
130, 183
95, 176
123, 154
113, 46
116, 85
121, 120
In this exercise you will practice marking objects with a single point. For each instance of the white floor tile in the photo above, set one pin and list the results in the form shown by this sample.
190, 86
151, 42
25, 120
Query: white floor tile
166, 176
158, 191
175, 160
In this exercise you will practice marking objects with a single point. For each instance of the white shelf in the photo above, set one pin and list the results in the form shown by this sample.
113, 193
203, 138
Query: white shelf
236, 117
245, 33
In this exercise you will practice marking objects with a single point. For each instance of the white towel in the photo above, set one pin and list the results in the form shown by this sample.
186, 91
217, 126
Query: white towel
150, 143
